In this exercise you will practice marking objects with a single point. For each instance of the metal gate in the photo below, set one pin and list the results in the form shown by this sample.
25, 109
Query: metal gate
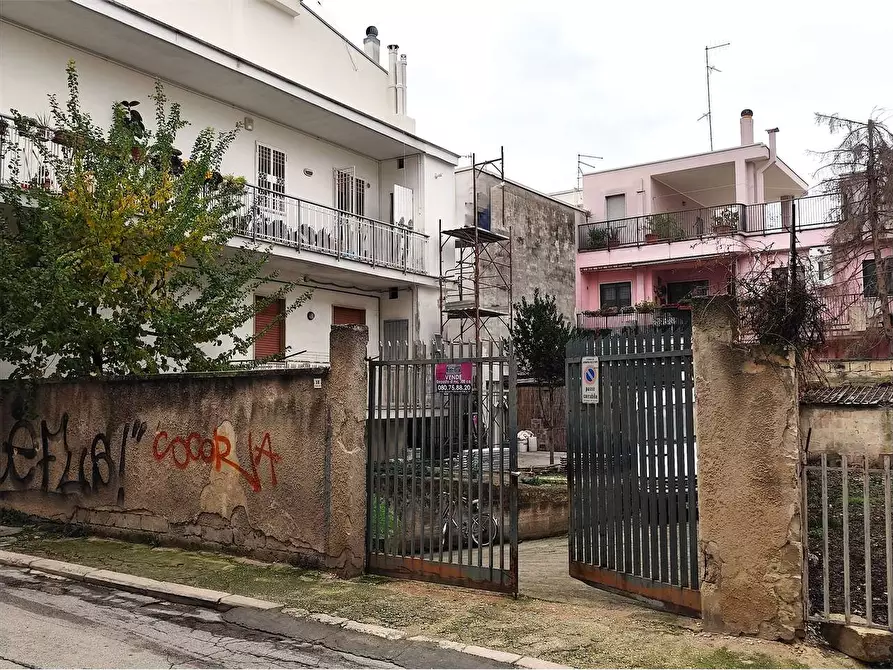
442, 481
632, 464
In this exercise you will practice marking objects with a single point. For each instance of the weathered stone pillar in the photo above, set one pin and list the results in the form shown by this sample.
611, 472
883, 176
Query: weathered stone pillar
345, 467
749, 498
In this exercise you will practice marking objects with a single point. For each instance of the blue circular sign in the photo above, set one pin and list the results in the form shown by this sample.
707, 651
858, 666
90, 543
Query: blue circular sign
590, 375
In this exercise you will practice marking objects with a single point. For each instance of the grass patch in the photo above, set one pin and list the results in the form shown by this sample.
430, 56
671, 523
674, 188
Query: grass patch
725, 658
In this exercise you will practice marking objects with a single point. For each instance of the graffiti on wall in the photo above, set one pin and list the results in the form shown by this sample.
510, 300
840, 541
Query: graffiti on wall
35, 456
218, 451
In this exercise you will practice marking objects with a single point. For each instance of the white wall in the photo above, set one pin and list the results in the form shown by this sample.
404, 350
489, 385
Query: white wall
293, 47
33, 66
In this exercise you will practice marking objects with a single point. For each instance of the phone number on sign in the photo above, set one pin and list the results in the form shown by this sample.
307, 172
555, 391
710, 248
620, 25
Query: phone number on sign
453, 388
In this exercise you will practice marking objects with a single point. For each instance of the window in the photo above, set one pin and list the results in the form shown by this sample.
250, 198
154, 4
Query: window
781, 273
350, 192
395, 340
615, 295
271, 178
683, 290
615, 207
348, 315
869, 277
271, 342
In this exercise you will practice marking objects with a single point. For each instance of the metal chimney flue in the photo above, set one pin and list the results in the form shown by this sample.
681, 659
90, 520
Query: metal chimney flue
371, 45
746, 127
392, 77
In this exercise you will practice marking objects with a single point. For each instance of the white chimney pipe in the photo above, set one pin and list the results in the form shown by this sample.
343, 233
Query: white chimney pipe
371, 45
760, 179
746, 128
392, 77
401, 86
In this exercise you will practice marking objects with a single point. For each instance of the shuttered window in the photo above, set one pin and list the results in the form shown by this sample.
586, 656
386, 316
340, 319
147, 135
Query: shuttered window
272, 342
347, 315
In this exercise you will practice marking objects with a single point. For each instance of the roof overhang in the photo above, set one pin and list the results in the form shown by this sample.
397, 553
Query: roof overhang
114, 31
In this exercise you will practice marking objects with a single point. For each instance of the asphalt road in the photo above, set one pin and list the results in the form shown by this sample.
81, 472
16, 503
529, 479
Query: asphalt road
53, 622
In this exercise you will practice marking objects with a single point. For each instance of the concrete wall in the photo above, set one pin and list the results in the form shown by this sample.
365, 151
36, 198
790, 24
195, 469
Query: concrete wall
749, 496
837, 373
543, 511
834, 429
262, 463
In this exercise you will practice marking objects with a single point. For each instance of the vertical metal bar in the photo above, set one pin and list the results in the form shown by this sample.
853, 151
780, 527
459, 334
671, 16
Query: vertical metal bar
826, 559
443, 450
469, 470
661, 454
479, 434
597, 463
570, 422
455, 501
679, 456
626, 449
588, 529
495, 397
402, 446
390, 471
691, 493
804, 515
866, 514
417, 478
371, 539
846, 537
617, 454
652, 443
503, 413
672, 478
607, 451
513, 465
888, 531
426, 479
642, 452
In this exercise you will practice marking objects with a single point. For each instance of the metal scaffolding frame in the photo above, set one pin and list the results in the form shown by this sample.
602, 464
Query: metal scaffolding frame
476, 293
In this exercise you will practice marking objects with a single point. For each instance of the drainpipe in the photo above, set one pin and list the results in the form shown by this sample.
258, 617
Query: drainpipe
759, 182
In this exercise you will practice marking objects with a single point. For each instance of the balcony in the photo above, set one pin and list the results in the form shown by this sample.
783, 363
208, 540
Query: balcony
852, 315
628, 317
266, 216
269, 216
694, 224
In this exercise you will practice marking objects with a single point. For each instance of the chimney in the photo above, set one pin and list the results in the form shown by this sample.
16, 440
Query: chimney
401, 86
772, 150
371, 45
746, 127
392, 76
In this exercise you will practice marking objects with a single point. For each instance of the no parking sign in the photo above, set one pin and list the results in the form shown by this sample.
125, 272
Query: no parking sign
590, 380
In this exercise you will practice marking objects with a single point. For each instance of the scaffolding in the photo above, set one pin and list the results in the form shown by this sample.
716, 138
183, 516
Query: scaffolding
476, 291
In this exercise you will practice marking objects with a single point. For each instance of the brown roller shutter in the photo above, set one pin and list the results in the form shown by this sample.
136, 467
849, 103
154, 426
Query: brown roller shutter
346, 315
273, 341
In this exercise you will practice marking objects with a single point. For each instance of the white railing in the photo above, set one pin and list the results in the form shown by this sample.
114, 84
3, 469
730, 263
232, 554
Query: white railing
282, 219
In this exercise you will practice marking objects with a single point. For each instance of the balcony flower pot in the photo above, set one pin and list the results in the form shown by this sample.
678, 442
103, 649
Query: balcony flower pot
653, 238
613, 243
723, 229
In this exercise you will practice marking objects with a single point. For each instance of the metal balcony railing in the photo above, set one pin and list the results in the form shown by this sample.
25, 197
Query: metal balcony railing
692, 224
283, 219
852, 313
264, 215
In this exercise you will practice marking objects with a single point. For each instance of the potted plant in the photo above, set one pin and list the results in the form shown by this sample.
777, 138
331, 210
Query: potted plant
725, 221
598, 238
613, 238
663, 228
4, 127
645, 307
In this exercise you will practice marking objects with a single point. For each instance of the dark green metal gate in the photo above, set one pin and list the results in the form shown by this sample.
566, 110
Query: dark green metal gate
632, 466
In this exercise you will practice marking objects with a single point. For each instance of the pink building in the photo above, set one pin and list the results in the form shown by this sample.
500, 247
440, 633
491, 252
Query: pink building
664, 231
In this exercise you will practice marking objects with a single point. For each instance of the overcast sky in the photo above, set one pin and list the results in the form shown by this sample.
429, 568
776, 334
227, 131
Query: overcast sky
625, 80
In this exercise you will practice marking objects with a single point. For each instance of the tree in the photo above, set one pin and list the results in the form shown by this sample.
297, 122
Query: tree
114, 258
859, 171
539, 336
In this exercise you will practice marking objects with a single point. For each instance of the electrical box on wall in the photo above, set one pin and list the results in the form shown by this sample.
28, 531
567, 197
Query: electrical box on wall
317, 383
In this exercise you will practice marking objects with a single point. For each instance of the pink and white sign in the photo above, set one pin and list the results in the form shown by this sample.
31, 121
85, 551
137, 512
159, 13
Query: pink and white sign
453, 377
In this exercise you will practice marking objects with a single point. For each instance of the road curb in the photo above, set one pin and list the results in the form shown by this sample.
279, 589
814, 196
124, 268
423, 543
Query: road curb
219, 600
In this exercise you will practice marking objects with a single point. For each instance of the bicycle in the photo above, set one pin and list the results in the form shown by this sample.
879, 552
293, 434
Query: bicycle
484, 527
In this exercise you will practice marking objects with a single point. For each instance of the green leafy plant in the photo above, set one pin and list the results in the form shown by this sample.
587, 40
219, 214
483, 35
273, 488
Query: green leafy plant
119, 265
602, 238
645, 307
664, 226
540, 335
726, 219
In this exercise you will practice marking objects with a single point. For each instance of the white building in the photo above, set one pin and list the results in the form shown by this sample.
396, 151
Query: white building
356, 195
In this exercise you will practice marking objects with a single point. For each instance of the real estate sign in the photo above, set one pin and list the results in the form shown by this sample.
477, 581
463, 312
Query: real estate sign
591, 380
453, 377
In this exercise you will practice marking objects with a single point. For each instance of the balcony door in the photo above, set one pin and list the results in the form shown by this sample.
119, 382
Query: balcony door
615, 207
353, 232
270, 198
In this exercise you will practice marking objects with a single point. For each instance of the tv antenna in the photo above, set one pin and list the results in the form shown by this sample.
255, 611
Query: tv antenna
709, 114
580, 164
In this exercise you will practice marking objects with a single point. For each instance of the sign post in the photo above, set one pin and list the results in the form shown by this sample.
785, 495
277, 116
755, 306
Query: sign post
453, 377
591, 381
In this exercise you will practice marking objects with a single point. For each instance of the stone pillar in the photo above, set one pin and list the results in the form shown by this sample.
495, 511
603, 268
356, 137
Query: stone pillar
749, 497
345, 454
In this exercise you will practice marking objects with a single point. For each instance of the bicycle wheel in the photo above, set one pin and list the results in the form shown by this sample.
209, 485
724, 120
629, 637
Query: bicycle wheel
485, 530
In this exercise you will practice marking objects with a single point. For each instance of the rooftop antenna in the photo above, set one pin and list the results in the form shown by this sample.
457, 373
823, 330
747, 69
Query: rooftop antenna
580, 164
710, 68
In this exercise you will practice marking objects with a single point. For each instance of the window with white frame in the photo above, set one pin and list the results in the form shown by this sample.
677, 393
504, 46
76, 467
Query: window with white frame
271, 177
350, 191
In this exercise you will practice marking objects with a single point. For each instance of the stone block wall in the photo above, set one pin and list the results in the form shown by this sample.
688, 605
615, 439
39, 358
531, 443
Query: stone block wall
749, 493
264, 462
